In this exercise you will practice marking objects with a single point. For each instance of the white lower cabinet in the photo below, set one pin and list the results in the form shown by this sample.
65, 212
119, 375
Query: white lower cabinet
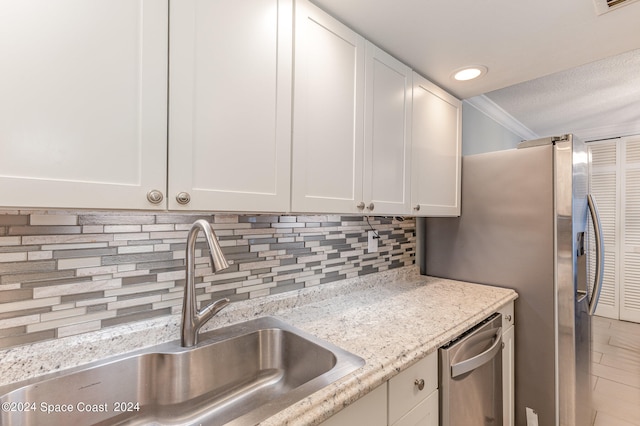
407, 403
401, 402
370, 410
508, 378
508, 364
424, 414
406, 395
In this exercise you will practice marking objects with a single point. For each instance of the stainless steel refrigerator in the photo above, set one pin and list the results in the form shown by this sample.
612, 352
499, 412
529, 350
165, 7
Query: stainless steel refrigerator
522, 225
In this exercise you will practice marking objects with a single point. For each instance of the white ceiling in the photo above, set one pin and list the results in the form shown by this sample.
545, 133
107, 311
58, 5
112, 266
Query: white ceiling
595, 101
532, 41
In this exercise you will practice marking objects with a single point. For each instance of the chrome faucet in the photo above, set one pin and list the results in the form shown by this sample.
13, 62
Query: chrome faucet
192, 317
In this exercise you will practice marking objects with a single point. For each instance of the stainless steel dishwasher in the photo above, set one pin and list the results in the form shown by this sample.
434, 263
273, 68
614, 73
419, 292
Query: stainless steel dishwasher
471, 376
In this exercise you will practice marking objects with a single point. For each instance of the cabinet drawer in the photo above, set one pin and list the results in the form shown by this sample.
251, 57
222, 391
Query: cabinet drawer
424, 414
404, 394
508, 318
370, 410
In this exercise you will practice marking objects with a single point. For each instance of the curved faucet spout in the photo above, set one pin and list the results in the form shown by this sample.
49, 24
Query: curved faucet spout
192, 318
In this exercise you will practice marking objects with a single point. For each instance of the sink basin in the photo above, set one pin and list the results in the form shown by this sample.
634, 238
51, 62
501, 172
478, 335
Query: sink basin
237, 375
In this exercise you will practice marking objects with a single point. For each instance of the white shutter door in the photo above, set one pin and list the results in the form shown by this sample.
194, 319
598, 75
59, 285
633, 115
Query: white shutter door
630, 277
603, 184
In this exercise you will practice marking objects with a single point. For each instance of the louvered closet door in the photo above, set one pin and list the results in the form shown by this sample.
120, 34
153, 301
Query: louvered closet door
630, 238
603, 184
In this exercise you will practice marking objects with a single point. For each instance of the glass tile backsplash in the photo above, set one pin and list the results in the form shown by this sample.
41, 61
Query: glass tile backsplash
66, 273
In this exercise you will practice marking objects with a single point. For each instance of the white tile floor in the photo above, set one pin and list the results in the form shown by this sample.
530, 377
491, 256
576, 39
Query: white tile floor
616, 372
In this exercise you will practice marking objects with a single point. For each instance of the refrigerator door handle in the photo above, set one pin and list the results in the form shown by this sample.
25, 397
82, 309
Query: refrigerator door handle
599, 275
470, 364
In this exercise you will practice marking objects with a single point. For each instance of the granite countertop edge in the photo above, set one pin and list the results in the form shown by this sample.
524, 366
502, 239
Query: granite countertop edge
381, 311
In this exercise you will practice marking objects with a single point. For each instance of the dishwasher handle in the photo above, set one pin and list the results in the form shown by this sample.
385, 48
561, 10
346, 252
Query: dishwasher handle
470, 364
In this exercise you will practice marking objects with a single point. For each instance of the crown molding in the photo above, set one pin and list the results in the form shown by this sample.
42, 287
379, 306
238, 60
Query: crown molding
502, 117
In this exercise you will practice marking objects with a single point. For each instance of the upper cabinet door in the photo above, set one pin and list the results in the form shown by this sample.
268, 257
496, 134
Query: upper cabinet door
387, 139
328, 114
436, 150
83, 103
230, 105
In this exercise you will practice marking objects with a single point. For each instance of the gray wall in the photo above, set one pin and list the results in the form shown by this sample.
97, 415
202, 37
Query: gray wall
480, 133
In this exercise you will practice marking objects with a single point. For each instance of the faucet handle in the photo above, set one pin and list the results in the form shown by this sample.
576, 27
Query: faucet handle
221, 304
209, 311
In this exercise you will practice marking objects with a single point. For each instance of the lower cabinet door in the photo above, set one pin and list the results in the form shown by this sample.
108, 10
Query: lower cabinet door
423, 414
508, 377
405, 393
370, 410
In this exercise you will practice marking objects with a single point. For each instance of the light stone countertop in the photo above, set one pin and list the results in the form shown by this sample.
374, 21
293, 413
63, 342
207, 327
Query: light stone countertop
391, 319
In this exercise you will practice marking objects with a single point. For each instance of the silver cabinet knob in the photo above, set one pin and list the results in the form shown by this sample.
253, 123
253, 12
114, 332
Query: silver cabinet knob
507, 317
154, 196
370, 206
360, 205
419, 383
183, 198
417, 207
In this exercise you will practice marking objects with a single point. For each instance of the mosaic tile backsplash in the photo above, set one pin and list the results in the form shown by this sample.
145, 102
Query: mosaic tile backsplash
66, 273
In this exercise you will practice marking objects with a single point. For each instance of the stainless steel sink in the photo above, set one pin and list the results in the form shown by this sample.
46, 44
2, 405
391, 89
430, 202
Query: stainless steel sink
237, 375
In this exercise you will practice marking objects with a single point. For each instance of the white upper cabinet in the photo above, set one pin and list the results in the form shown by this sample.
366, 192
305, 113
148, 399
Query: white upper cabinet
83, 103
327, 114
352, 115
103, 106
230, 105
387, 137
436, 150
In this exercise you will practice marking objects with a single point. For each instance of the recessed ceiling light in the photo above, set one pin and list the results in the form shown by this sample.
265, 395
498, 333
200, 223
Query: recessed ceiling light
469, 73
